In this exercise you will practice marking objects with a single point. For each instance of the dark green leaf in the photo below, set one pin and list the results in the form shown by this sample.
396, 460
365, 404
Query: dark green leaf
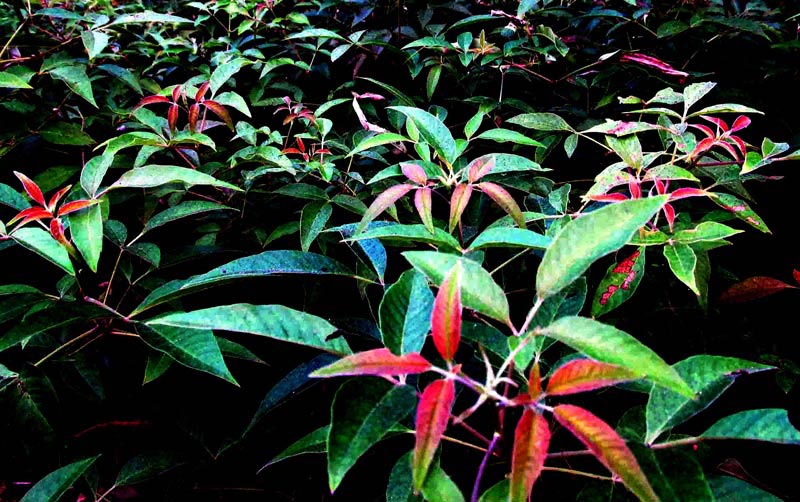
771, 425
66, 133
86, 228
405, 313
146, 466
52, 487
182, 210
43, 244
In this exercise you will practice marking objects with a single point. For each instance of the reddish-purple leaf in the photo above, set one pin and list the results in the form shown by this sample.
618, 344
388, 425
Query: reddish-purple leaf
740, 144
683, 193
503, 199
609, 197
446, 315
378, 362
740, 123
172, 117
414, 172
381, 202
149, 100
201, 91
433, 413
661, 66
479, 168
669, 213
75, 205
635, 189
194, 116
51, 206
33, 190
722, 126
535, 382
30, 214
220, 112
458, 202
796, 275
581, 375
176, 93
706, 130
753, 288
607, 446
423, 202
531, 441
57, 231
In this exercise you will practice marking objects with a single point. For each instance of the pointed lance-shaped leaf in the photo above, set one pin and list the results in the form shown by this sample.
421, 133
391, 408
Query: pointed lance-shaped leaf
414, 172
176, 93
149, 100
446, 316
753, 288
201, 91
503, 199
31, 188
458, 202
172, 117
423, 202
535, 382
433, 413
377, 362
381, 202
479, 168
683, 193
51, 205
531, 441
220, 111
194, 116
607, 446
30, 214
75, 205
581, 375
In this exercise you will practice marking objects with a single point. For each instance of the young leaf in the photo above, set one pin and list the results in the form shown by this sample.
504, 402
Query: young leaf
414, 173
31, 188
531, 441
480, 167
433, 131
433, 413
771, 425
619, 283
378, 362
753, 288
503, 199
361, 414
607, 344
458, 202
405, 313
446, 317
591, 237
423, 203
53, 486
581, 375
682, 261
607, 446
382, 202
708, 376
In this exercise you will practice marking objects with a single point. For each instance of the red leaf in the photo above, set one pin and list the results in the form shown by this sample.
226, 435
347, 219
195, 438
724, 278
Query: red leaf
75, 205
706, 130
702, 146
30, 214
722, 126
531, 441
446, 315
581, 375
34, 192
172, 117
423, 202
669, 213
201, 91
635, 189
414, 172
378, 362
740, 123
479, 168
503, 199
194, 116
609, 197
683, 193
458, 202
57, 231
176, 93
753, 288
607, 446
220, 112
381, 202
51, 206
654, 63
535, 382
433, 413
796, 275
149, 100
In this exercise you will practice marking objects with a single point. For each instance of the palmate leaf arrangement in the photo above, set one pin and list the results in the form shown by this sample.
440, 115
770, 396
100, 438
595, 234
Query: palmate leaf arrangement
632, 206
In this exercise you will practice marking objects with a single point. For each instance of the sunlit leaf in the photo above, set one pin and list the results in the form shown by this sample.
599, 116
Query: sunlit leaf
432, 130
771, 425
581, 375
86, 227
433, 413
619, 283
682, 261
43, 244
531, 441
446, 316
378, 362
405, 313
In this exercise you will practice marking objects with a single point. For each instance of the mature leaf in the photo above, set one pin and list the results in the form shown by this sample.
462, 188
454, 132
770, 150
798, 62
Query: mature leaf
730, 489
433, 413
619, 283
400, 487
707, 231
86, 228
501, 135
433, 131
405, 313
404, 234
42, 243
708, 376
439, 487
694, 92
629, 150
531, 441
93, 172
146, 466
361, 414
157, 364
589, 238
378, 362
153, 176
500, 491
183, 210
771, 425
148, 17
75, 78
740, 209
510, 237
314, 442
372, 248
66, 133
478, 290
54, 485
95, 42
607, 344
682, 261
12, 198
273, 321
581, 375
446, 316
752, 289
607, 446
383, 138
194, 348
10, 81
260, 265
541, 122
313, 218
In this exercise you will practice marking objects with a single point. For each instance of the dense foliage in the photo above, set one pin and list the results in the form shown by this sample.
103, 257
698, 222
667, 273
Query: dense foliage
508, 224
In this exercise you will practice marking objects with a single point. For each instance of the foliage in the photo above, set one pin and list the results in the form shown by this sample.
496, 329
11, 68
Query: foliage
443, 227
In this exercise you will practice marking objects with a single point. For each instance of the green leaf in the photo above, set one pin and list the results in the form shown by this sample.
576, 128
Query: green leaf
478, 290
94, 42
94, 171
694, 92
541, 122
272, 321
682, 261
58, 315
730, 489
510, 237
671, 28
124, 75
66, 133
313, 218
740, 209
183, 210
193, 348
146, 466
628, 148
148, 17
725, 108
433, 80
316, 33
501, 135
314, 442
157, 364
10, 81
409, 233
400, 487
86, 228
499, 492
771, 425
708, 376
75, 78
43, 244
260, 265
619, 283
707, 231
51, 487
224, 72
303, 191
607, 344
12, 198
153, 176
405, 313
362, 412
438, 487
433, 131
590, 237
669, 172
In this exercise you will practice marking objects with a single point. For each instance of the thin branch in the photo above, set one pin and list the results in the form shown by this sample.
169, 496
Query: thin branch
476, 486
